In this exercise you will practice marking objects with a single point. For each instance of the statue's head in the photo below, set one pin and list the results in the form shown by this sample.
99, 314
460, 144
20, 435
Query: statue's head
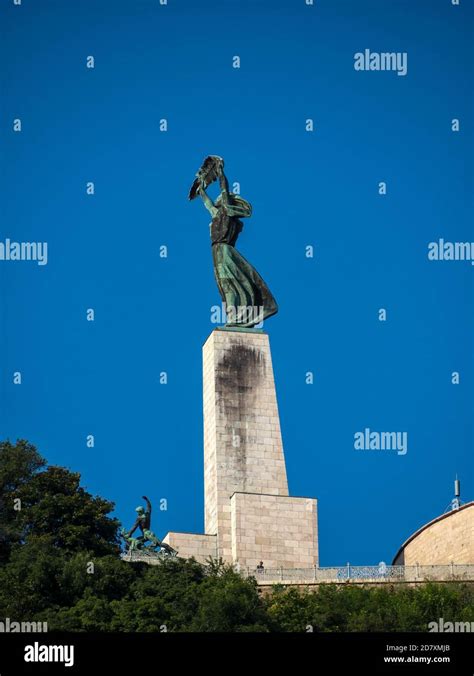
140, 510
244, 207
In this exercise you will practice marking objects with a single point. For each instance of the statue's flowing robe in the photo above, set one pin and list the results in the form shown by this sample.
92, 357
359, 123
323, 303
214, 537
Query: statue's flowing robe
240, 285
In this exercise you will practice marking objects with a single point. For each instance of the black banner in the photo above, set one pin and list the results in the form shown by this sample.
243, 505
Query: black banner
52, 653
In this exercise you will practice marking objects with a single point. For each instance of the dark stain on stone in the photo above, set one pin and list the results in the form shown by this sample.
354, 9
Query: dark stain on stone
238, 376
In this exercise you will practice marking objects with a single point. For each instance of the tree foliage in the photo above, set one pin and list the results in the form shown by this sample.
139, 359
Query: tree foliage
60, 563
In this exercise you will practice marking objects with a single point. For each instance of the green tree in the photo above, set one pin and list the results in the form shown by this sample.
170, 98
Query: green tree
360, 608
54, 504
46, 518
18, 463
229, 603
165, 595
40, 500
60, 563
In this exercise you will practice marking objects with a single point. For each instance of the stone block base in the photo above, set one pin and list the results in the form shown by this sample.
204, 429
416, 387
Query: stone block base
196, 545
279, 530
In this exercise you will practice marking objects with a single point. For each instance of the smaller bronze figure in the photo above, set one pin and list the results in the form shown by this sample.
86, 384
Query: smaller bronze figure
147, 541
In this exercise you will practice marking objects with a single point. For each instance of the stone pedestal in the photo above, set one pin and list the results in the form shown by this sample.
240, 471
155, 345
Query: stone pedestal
242, 440
276, 529
249, 516
196, 545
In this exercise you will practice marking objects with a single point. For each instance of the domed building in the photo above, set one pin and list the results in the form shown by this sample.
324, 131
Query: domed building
447, 539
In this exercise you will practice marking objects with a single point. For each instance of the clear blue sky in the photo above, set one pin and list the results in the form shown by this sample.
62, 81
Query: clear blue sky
318, 189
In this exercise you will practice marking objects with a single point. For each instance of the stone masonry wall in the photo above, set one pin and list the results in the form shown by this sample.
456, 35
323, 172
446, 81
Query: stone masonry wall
281, 531
449, 539
193, 544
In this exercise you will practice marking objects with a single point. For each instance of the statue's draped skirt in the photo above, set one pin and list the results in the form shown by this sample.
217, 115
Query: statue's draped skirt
241, 286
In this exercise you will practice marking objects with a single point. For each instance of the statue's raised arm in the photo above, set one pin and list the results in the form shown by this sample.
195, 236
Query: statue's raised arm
208, 203
148, 504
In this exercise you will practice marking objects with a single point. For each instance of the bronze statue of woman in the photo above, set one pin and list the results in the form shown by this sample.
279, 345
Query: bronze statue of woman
248, 300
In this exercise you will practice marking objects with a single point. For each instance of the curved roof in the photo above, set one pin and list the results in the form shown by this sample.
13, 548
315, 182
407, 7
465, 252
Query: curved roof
430, 523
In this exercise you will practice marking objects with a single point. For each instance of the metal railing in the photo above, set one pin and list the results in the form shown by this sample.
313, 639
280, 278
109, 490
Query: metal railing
339, 574
349, 573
